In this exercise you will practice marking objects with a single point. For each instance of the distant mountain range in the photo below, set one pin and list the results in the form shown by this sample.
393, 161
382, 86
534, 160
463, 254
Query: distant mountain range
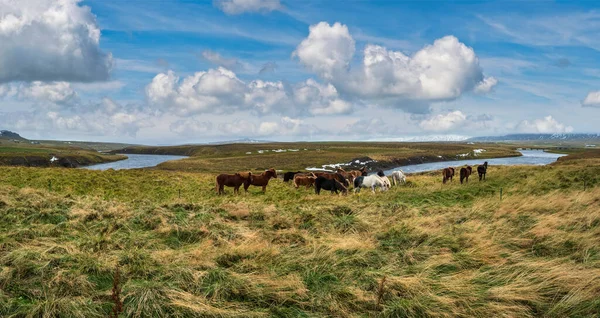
539, 137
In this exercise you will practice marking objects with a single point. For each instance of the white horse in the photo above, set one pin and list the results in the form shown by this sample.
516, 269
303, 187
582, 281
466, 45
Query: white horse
372, 181
398, 177
386, 182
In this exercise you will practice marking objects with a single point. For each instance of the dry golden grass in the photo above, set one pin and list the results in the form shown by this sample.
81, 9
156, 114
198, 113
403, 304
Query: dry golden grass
445, 250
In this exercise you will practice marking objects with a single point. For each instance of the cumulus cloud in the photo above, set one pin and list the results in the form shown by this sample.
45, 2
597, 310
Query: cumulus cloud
444, 122
457, 121
486, 85
287, 127
59, 122
221, 91
242, 6
42, 93
218, 59
191, 127
592, 99
54, 92
49, 40
441, 71
327, 50
239, 127
546, 125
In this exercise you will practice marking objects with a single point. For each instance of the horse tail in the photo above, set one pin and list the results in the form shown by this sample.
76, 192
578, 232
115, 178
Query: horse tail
217, 187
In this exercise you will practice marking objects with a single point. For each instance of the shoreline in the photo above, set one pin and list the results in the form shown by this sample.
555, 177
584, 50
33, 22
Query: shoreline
59, 160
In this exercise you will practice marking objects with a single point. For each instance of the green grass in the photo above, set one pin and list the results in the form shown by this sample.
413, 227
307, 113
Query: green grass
230, 157
445, 250
39, 155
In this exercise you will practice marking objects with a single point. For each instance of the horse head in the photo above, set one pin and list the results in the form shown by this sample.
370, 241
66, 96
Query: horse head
363, 171
271, 173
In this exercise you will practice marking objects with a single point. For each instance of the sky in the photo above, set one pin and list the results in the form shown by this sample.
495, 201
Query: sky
183, 71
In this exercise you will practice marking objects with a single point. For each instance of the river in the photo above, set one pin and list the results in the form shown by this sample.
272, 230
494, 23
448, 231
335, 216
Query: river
529, 157
135, 162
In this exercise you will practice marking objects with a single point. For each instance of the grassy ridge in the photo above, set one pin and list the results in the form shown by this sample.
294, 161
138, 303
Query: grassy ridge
233, 157
40, 155
445, 251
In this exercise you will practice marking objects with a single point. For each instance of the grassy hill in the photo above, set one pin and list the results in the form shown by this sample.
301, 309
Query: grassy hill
421, 250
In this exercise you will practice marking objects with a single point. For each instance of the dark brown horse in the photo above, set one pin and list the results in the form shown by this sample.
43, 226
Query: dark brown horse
346, 174
288, 176
333, 176
447, 174
482, 170
465, 173
231, 180
261, 180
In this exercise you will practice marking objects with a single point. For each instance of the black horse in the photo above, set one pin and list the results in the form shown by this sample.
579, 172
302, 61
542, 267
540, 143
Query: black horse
288, 176
332, 185
481, 170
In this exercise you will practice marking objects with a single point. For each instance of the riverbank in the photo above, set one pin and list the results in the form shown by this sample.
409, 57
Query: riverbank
299, 156
53, 157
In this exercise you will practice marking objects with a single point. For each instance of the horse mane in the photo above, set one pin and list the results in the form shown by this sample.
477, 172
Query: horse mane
380, 173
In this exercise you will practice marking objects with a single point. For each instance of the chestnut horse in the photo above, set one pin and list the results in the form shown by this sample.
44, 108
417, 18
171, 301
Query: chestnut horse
261, 180
482, 170
465, 173
231, 180
447, 174
357, 173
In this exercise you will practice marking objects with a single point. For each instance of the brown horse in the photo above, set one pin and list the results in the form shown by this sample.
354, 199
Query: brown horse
465, 173
447, 174
348, 175
353, 174
333, 176
231, 180
307, 180
261, 180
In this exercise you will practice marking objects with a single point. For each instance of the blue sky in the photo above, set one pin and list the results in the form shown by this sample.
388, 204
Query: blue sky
298, 70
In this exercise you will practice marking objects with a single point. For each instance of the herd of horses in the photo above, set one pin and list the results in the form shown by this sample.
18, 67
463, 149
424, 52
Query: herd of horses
465, 172
336, 182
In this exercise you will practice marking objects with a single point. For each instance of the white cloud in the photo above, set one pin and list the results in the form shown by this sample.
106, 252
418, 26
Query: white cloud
444, 122
441, 71
55, 92
486, 85
49, 40
592, 99
59, 93
213, 91
218, 59
191, 127
239, 127
546, 125
320, 99
327, 50
241, 6
220, 91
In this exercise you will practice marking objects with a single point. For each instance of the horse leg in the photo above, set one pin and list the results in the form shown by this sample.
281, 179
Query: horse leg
264, 189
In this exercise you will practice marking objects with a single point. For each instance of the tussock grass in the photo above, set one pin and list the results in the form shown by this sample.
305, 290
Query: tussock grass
446, 250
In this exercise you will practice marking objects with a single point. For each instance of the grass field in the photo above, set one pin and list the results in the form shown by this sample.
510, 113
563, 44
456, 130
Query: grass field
24, 154
422, 250
297, 156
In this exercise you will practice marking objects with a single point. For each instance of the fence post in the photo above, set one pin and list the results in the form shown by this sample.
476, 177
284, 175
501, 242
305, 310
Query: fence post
180, 193
49, 185
500, 194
